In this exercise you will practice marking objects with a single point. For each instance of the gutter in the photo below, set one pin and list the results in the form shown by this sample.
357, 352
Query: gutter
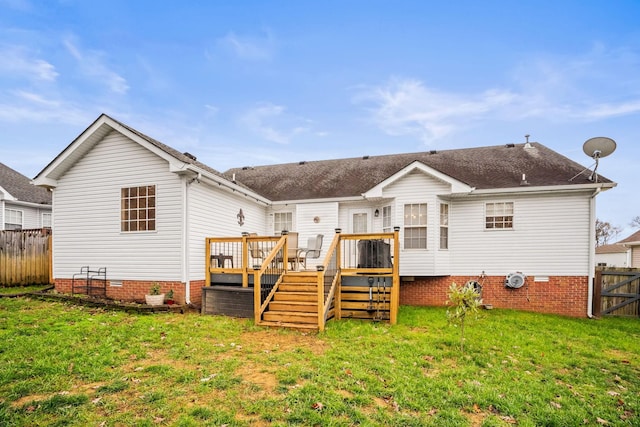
185, 241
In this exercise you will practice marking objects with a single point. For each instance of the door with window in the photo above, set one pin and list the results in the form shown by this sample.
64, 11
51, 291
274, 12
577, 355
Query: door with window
359, 222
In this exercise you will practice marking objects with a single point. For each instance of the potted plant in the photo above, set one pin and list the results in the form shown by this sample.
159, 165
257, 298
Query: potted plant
168, 298
154, 297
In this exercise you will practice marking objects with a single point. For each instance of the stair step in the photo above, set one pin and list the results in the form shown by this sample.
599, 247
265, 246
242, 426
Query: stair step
295, 296
297, 306
300, 278
291, 317
297, 287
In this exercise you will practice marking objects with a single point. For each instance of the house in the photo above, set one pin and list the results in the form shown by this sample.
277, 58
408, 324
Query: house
22, 205
632, 243
142, 210
613, 255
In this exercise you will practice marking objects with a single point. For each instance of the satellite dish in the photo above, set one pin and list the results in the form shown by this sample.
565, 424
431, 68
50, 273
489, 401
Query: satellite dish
596, 148
514, 280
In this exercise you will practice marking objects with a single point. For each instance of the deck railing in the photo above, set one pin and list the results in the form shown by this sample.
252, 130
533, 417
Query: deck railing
259, 259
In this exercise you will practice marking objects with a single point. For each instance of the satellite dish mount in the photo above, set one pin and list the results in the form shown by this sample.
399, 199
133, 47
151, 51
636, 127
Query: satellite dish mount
597, 148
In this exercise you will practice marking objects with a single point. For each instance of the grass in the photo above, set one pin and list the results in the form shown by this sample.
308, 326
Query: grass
68, 365
14, 290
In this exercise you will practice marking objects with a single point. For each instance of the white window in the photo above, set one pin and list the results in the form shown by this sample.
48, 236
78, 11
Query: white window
444, 226
415, 226
499, 215
386, 219
138, 208
13, 220
46, 219
282, 221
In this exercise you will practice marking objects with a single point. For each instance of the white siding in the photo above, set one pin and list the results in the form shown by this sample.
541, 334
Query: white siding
327, 214
87, 215
213, 212
417, 187
550, 237
612, 260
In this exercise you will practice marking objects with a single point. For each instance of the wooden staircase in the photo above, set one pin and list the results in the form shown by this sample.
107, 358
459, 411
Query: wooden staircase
295, 303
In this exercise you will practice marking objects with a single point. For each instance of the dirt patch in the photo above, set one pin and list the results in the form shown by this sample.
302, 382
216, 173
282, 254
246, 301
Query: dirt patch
273, 340
253, 374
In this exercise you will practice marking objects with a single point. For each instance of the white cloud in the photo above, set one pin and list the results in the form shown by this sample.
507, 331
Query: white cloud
407, 106
272, 123
18, 62
92, 64
594, 86
248, 47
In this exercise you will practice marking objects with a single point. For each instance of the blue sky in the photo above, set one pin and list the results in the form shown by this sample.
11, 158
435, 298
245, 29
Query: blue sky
259, 82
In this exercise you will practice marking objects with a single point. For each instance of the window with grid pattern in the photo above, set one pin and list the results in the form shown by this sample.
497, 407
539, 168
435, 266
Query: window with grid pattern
46, 220
444, 226
138, 208
13, 219
282, 221
386, 219
499, 215
415, 226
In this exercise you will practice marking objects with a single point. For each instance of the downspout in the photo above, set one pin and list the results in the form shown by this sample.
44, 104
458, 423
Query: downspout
592, 252
185, 242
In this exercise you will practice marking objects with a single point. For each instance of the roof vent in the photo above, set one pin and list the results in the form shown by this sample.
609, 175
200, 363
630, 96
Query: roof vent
433, 152
365, 157
246, 168
510, 145
527, 144
189, 155
303, 162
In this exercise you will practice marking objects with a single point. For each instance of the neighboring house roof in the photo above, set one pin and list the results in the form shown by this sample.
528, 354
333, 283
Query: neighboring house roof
483, 168
632, 240
19, 187
615, 248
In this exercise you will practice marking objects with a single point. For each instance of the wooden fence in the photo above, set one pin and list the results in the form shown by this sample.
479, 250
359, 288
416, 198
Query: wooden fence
25, 257
617, 292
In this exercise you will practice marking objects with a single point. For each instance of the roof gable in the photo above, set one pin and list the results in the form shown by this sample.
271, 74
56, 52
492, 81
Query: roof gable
632, 240
456, 185
17, 187
96, 132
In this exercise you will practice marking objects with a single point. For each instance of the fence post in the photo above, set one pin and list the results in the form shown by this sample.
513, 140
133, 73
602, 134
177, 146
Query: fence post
597, 294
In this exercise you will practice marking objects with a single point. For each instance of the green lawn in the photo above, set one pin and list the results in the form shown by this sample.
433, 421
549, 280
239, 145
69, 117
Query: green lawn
68, 365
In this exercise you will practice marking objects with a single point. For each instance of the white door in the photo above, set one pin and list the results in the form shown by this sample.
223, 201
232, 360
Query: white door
360, 221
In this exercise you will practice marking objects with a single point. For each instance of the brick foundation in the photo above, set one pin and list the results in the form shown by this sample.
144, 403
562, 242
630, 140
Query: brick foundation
134, 290
564, 295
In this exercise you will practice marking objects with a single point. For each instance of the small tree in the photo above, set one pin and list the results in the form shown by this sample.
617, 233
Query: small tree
464, 300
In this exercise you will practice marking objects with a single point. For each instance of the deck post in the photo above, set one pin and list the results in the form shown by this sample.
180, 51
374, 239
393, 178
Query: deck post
338, 292
245, 260
320, 283
256, 297
395, 288
207, 261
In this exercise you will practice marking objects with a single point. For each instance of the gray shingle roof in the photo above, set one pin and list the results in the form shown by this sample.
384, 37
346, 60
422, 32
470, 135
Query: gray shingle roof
19, 186
492, 167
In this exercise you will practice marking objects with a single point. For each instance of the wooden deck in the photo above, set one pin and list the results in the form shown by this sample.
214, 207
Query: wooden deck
358, 278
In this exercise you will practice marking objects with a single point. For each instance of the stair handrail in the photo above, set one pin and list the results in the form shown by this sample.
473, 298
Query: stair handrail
331, 267
269, 260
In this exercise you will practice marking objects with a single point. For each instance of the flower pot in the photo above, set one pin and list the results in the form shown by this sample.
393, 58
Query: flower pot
169, 302
154, 299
